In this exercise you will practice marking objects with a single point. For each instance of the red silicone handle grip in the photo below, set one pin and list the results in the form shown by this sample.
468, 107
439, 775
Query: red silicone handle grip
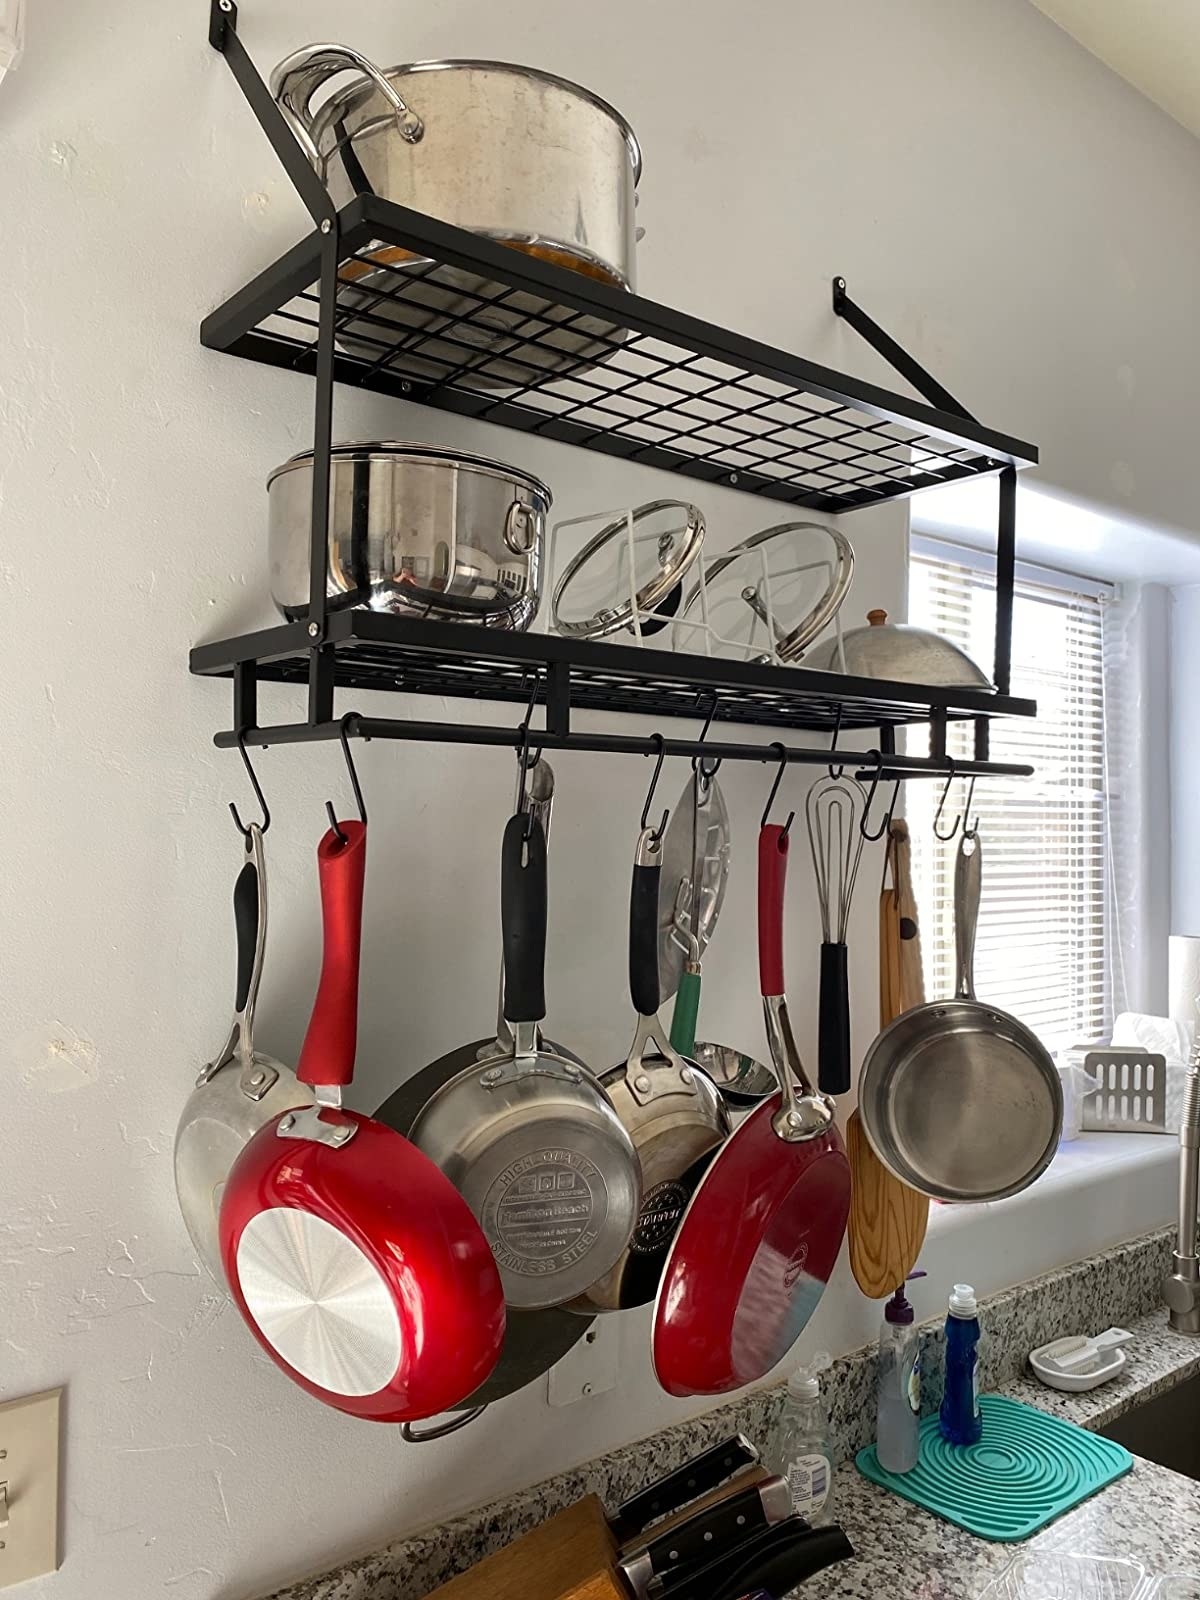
327, 1055
772, 875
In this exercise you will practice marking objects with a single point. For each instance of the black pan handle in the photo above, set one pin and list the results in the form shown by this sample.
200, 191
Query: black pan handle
644, 988
250, 927
672, 1492
245, 921
833, 1037
523, 918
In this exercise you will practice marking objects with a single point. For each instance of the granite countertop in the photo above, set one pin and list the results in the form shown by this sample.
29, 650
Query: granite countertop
1151, 1515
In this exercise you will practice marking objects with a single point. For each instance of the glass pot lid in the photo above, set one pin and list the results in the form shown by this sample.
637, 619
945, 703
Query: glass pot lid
613, 576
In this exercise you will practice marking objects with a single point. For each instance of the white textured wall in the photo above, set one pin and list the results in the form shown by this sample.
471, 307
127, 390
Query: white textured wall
1020, 218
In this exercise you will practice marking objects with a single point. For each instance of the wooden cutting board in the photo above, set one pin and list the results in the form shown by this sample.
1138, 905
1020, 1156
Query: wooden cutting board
887, 1218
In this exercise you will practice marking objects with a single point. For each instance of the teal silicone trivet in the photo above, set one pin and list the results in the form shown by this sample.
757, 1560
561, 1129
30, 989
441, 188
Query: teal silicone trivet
1026, 1470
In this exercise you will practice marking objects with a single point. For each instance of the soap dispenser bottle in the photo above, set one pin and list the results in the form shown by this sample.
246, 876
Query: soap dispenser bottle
898, 1415
961, 1419
800, 1450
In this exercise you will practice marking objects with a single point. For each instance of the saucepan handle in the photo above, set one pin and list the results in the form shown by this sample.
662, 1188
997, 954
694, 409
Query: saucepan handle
968, 883
327, 1055
298, 77
773, 844
644, 988
523, 918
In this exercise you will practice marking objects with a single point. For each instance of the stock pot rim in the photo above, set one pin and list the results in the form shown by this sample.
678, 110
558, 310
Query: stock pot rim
449, 63
421, 455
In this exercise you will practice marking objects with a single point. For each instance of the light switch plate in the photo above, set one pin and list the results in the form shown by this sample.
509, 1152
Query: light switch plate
29, 1469
589, 1367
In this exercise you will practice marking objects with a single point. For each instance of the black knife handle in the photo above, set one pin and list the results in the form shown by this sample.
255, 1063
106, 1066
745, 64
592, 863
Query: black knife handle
673, 1556
671, 1493
783, 1570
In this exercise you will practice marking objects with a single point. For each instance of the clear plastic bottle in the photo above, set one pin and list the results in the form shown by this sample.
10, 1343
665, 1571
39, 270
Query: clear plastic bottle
898, 1418
799, 1449
961, 1419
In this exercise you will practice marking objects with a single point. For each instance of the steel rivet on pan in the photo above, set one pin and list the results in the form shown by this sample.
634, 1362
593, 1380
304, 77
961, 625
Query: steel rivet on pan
287, 1123
491, 1077
256, 1078
685, 1075
642, 1083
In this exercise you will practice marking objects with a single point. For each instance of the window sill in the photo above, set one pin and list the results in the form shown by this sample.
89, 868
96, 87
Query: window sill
1100, 1189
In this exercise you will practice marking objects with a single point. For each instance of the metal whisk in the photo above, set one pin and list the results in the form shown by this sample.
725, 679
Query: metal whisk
833, 811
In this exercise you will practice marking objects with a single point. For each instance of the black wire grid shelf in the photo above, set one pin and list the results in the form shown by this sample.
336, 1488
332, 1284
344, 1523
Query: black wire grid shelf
384, 298
432, 314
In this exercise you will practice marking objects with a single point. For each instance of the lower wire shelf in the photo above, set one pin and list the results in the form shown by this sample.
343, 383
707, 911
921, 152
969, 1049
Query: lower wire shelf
377, 651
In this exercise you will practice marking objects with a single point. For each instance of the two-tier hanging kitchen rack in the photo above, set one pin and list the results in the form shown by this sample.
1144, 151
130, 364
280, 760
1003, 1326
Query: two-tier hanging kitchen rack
674, 393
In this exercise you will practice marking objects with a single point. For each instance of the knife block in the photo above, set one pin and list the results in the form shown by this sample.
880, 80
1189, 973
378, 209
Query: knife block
571, 1556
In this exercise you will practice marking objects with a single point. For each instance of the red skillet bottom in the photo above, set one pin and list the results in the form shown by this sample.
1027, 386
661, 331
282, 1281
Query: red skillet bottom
751, 1258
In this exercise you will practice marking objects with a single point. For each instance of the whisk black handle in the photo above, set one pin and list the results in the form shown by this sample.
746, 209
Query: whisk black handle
833, 1035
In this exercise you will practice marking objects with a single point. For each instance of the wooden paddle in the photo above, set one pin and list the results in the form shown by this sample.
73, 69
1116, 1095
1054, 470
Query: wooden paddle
887, 1218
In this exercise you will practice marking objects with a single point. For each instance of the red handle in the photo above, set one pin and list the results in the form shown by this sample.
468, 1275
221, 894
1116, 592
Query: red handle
327, 1055
772, 875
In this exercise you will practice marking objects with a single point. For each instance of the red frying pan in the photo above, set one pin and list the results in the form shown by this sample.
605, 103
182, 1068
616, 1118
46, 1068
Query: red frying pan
356, 1263
763, 1230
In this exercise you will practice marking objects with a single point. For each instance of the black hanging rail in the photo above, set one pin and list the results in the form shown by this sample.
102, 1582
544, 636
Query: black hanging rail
361, 301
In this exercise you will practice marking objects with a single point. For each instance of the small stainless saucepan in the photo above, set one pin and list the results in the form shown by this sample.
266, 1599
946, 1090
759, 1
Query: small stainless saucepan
673, 1110
415, 530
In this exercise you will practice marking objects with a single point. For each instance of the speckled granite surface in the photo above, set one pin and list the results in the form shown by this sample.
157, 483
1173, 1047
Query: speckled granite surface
1153, 1515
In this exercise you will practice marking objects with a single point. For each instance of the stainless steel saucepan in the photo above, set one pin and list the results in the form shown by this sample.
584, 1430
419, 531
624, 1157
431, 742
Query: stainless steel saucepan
529, 1138
240, 1090
533, 1340
413, 529
959, 1099
672, 1109
520, 156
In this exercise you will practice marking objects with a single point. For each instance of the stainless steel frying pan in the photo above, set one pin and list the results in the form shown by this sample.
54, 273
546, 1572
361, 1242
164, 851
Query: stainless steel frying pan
239, 1090
959, 1099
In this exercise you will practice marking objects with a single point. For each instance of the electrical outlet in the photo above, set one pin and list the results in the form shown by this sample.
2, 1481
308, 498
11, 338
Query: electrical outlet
29, 1487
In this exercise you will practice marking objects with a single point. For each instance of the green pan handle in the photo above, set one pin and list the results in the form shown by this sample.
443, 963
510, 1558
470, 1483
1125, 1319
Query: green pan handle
685, 1014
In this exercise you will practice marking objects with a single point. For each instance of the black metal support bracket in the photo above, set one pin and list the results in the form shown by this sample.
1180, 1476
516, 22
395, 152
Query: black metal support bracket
223, 36
895, 354
930, 389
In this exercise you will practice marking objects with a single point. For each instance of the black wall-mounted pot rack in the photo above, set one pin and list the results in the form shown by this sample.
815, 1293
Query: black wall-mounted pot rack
671, 392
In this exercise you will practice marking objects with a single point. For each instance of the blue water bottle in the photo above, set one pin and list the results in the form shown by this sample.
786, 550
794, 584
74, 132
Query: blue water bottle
961, 1420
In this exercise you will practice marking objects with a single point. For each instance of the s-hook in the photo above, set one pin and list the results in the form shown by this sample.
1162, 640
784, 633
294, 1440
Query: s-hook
258, 794
351, 716
888, 814
836, 772
782, 768
699, 764
527, 760
656, 739
954, 826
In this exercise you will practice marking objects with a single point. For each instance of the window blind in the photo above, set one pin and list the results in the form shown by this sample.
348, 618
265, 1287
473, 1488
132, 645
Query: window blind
1042, 947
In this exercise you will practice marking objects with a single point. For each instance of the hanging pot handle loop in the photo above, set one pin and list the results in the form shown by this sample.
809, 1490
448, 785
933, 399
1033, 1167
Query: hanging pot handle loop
411, 1435
298, 77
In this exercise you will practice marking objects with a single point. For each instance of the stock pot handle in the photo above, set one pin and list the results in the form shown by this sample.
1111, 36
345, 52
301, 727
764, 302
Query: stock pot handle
523, 526
298, 77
